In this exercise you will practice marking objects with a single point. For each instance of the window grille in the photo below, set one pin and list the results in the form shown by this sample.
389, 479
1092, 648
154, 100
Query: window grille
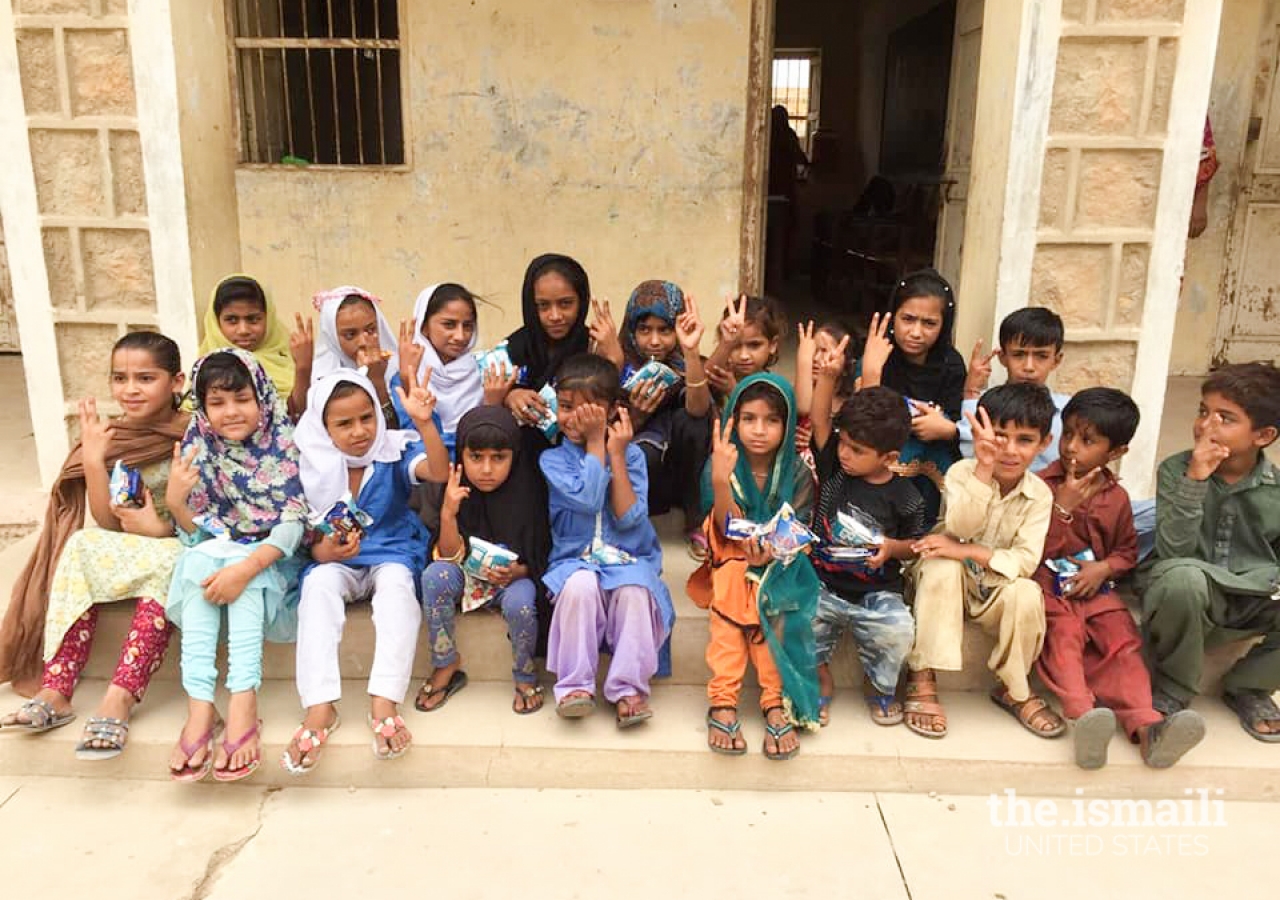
796, 86
318, 82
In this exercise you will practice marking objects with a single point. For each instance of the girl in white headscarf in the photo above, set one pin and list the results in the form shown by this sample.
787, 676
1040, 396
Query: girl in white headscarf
347, 452
354, 334
445, 334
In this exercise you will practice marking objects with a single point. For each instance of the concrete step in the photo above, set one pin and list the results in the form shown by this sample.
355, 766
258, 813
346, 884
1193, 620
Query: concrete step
476, 741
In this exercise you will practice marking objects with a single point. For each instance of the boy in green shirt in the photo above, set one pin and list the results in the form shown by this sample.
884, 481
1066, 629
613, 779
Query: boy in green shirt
1216, 570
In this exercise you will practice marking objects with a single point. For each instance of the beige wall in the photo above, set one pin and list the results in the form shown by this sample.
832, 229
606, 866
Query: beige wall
613, 132
1229, 109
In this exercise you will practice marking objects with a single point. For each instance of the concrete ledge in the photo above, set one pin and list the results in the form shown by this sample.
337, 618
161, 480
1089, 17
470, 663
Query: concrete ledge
476, 741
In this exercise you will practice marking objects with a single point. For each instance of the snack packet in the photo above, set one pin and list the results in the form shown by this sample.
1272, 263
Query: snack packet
1066, 569
344, 519
477, 590
547, 422
854, 528
499, 358
661, 373
125, 486
784, 535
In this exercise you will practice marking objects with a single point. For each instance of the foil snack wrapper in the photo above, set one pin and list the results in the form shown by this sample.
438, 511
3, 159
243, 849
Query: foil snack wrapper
784, 535
500, 359
345, 520
665, 376
485, 555
125, 486
547, 421
1067, 568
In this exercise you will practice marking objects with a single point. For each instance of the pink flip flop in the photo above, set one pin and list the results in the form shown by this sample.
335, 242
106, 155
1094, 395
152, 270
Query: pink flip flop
230, 747
189, 773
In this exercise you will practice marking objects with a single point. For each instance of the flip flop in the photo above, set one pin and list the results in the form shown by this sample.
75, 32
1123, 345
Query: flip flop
777, 734
733, 730
41, 717
383, 730
527, 692
112, 732
230, 747
633, 717
308, 741
189, 773
1251, 707
457, 681
575, 707
878, 706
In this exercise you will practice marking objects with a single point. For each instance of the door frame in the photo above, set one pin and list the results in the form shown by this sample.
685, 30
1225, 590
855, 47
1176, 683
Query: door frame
755, 170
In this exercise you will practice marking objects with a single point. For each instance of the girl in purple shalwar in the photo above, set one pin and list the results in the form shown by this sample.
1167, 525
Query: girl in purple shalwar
606, 563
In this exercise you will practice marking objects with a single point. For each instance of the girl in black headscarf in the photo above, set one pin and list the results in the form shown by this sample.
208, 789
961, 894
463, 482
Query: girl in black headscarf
494, 494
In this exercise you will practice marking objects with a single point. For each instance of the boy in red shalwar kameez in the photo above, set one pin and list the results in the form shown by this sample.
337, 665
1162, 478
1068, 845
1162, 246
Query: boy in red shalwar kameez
1092, 656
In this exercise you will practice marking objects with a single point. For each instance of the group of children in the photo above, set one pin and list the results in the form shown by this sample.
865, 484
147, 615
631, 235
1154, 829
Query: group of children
889, 495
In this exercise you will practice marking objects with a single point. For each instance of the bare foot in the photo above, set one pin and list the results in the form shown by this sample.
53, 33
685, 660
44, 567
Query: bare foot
381, 709
242, 719
61, 705
318, 718
721, 740
826, 692
439, 680
201, 718
787, 743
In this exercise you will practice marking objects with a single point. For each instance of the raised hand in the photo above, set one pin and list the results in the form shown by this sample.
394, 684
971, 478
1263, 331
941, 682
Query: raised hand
721, 379
735, 320
410, 350
620, 434
979, 375
832, 364
1079, 487
1207, 454
95, 435
604, 334
878, 347
454, 492
374, 361
302, 342
183, 477
417, 399
689, 327
985, 443
591, 421
498, 383
724, 453
806, 350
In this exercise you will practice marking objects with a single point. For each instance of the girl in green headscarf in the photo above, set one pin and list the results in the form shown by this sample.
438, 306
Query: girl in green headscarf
240, 315
761, 609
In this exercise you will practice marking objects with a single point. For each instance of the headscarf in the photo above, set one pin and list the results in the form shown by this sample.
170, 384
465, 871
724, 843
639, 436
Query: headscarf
273, 353
663, 299
329, 355
323, 467
940, 379
529, 345
786, 595
458, 385
248, 486
22, 633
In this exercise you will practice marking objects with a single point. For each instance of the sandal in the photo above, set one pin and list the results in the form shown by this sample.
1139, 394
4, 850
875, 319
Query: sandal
457, 681
922, 700
189, 773
40, 717
1251, 708
1165, 703
230, 747
1092, 733
308, 741
734, 730
1030, 711
1168, 740
383, 731
824, 710
111, 732
696, 544
525, 693
881, 709
636, 711
777, 733
575, 707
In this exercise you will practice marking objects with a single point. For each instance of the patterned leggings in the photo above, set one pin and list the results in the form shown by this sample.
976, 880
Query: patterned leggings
140, 657
442, 585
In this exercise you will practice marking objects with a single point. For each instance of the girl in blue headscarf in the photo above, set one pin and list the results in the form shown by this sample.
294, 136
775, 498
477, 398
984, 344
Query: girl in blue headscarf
672, 423
761, 609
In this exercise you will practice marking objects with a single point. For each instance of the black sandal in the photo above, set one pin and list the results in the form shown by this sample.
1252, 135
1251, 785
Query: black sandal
457, 681
733, 730
1252, 707
777, 733
525, 693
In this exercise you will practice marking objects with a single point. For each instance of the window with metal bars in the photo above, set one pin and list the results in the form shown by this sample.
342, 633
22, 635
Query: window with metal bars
796, 83
318, 82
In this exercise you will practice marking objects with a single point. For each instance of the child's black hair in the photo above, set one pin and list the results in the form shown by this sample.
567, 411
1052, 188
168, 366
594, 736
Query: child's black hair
589, 374
1032, 326
488, 437
445, 294
927, 283
762, 390
355, 300
238, 287
876, 417
1254, 387
1112, 413
566, 268
223, 371
340, 390
1025, 405
847, 382
164, 352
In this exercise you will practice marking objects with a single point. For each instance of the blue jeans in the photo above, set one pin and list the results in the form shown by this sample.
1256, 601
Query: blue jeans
882, 630
442, 585
1144, 522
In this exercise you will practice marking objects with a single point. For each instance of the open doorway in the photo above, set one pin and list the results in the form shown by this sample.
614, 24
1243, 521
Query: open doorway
877, 88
